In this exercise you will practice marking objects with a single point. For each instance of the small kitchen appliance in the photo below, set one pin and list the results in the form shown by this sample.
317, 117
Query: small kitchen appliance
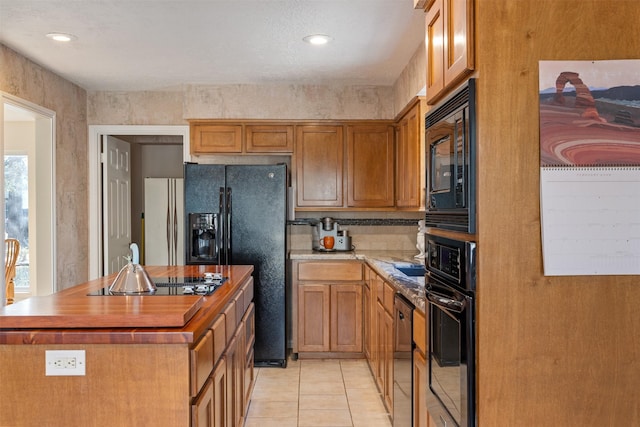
329, 227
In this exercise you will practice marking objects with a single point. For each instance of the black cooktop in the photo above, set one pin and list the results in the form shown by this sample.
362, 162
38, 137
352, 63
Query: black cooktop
174, 286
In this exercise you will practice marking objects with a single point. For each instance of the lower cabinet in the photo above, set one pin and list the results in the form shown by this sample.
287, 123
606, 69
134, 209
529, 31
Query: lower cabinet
329, 311
222, 375
420, 415
330, 318
382, 338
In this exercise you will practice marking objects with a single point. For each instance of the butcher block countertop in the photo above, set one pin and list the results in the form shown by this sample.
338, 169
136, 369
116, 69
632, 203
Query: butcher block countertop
73, 317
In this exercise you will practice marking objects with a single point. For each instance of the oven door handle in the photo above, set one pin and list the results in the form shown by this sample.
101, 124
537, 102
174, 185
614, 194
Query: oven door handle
448, 303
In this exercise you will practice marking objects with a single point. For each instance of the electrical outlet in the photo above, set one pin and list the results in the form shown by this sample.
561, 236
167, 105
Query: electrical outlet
64, 362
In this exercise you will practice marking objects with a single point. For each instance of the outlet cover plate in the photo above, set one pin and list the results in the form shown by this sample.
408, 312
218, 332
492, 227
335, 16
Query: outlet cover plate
64, 362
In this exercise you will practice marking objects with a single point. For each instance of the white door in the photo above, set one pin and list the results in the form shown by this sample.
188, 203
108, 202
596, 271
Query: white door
116, 199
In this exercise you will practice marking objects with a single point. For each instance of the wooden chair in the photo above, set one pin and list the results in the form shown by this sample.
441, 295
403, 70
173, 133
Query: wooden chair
10, 258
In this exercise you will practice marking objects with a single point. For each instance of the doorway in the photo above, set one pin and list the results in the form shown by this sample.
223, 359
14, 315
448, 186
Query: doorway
27, 141
163, 141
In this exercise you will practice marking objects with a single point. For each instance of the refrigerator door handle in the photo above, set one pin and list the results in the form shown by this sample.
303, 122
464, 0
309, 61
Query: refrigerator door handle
228, 259
221, 238
168, 221
174, 253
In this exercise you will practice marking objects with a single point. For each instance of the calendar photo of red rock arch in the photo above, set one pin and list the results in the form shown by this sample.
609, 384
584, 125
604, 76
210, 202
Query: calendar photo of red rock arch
589, 113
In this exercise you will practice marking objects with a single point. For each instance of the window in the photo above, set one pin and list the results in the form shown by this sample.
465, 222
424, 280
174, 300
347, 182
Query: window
16, 204
28, 183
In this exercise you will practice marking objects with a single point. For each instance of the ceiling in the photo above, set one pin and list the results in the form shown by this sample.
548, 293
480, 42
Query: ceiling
133, 45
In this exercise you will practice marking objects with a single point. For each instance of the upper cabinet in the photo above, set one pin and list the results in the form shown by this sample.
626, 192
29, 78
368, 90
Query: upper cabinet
319, 166
450, 45
328, 166
410, 182
209, 137
370, 166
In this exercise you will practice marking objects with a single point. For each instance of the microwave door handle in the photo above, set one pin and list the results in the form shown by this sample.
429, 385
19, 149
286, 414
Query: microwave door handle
448, 303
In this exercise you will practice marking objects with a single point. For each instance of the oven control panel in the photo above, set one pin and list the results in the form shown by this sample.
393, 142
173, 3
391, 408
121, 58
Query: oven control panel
444, 259
451, 260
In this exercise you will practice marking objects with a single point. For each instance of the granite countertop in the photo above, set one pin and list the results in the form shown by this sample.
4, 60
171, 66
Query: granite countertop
383, 262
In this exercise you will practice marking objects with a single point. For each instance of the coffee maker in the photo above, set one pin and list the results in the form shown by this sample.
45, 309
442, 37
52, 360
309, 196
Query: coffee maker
329, 227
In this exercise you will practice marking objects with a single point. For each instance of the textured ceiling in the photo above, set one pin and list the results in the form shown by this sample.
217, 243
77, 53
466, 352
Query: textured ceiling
161, 45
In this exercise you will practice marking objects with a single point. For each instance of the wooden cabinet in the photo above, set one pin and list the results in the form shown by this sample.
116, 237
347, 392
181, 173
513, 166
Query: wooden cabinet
366, 315
329, 311
328, 166
330, 318
410, 166
221, 395
420, 386
221, 137
319, 166
450, 45
215, 138
269, 138
346, 318
370, 166
202, 409
382, 350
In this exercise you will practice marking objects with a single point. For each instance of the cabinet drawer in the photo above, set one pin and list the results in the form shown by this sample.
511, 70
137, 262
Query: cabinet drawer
329, 270
419, 331
247, 290
230, 319
219, 337
239, 299
201, 362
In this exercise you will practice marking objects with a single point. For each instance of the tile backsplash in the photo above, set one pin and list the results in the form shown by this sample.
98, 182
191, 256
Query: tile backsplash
398, 236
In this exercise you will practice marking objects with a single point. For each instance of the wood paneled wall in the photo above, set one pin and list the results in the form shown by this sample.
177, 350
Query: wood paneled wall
552, 350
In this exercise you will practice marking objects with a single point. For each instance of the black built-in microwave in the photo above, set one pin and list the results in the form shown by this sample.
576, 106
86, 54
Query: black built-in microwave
450, 136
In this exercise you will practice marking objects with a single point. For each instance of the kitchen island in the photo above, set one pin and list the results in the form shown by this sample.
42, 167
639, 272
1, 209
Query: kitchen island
161, 360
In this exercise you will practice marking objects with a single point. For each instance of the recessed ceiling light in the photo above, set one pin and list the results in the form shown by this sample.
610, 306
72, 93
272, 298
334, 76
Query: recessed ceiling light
61, 37
317, 39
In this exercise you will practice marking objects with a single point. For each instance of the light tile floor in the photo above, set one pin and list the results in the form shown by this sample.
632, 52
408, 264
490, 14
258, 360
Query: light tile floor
317, 393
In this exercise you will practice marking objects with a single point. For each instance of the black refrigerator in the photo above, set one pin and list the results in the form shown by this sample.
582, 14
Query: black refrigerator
236, 214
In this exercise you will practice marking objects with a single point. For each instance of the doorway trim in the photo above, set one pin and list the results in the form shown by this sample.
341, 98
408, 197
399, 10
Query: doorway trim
49, 265
96, 132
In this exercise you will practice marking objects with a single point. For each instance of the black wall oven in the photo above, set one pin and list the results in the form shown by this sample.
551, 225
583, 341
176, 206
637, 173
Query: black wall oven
451, 159
450, 292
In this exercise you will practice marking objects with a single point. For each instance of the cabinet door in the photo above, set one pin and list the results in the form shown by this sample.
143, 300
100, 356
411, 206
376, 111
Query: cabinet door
313, 317
319, 165
346, 318
216, 139
269, 138
370, 166
459, 40
203, 407
219, 378
233, 402
379, 347
450, 45
409, 160
420, 415
434, 43
387, 349
366, 321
